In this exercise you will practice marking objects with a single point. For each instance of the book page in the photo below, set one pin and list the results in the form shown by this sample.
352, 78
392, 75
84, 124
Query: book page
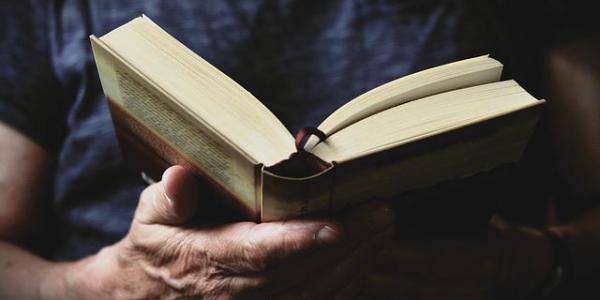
173, 127
444, 78
207, 151
424, 118
452, 155
201, 91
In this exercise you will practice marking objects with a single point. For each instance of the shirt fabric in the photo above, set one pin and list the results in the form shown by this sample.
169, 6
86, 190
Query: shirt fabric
302, 59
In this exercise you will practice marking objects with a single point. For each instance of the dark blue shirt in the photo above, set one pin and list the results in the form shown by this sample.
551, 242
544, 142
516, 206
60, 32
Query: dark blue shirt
303, 59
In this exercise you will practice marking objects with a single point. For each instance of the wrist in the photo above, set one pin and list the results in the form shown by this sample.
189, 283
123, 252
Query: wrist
53, 281
88, 278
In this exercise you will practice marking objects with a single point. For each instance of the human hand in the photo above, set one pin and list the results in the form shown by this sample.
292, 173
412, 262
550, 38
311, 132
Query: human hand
510, 263
162, 257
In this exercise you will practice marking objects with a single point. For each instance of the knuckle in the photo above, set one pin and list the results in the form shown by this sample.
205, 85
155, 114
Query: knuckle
136, 239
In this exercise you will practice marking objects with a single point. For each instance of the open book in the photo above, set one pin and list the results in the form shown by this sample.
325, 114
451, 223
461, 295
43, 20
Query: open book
170, 106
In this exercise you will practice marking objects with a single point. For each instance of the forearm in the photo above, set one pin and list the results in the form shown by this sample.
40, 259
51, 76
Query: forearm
26, 276
23, 175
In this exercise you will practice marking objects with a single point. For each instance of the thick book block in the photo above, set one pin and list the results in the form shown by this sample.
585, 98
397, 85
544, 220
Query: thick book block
334, 186
169, 106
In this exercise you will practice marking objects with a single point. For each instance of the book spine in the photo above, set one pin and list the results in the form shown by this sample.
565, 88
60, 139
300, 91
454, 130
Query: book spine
300, 185
288, 197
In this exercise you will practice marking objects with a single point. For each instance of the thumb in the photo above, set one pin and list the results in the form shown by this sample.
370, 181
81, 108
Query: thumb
171, 201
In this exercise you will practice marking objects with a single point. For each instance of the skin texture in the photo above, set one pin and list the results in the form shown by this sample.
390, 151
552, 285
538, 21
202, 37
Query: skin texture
23, 173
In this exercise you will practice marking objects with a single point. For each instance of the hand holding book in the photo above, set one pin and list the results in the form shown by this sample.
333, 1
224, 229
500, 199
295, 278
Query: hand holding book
162, 256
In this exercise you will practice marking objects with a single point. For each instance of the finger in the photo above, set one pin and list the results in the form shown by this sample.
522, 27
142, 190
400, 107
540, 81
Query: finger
172, 201
281, 254
364, 221
353, 268
284, 241
341, 280
439, 260
329, 268
379, 286
261, 247
364, 243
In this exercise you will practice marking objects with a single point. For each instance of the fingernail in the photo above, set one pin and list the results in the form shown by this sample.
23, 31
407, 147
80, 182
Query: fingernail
164, 187
165, 175
169, 200
327, 235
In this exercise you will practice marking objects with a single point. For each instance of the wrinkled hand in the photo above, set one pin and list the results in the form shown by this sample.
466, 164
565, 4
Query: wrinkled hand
509, 264
163, 258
